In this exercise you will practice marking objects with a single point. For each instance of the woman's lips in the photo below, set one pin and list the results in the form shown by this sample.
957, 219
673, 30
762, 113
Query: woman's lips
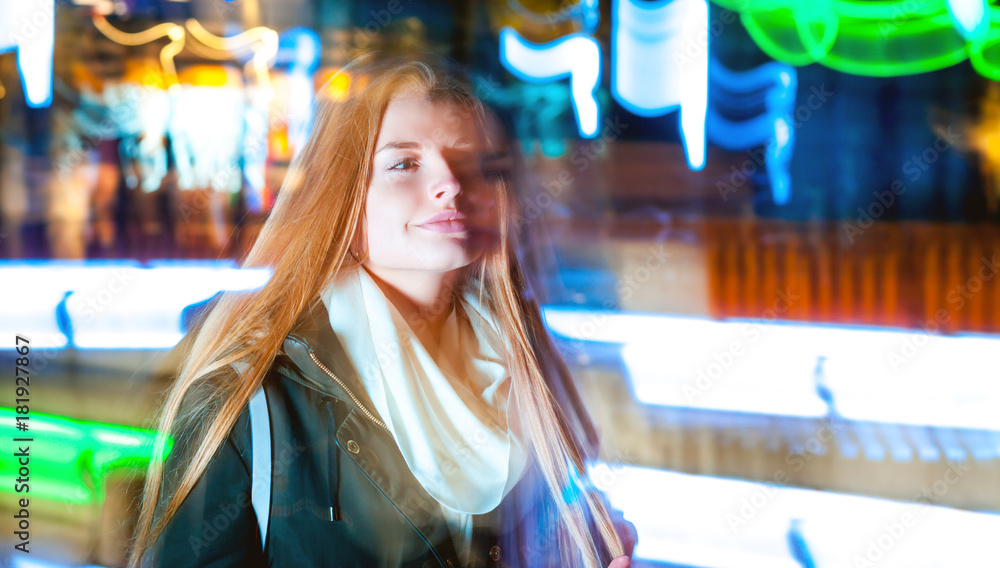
453, 226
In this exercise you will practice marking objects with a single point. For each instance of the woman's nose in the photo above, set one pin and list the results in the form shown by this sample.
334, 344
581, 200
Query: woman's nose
447, 185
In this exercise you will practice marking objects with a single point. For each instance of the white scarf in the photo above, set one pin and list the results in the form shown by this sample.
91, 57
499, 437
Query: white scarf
451, 425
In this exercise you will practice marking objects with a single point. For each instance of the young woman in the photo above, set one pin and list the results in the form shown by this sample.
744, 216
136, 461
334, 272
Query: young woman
419, 414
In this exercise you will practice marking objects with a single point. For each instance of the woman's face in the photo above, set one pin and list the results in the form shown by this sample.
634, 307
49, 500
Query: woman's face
427, 164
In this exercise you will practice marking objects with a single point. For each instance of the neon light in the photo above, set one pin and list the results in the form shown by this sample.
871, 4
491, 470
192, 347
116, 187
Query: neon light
154, 116
887, 38
590, 16
263, 42
692, 363
700, 375
660, 63
173, 32
141, 112
305, 46
28, 26
970, 18
70, 458
255, 145
737, 93
205, 128
113, 305
227, 47
576, 56
732, 522
207, 152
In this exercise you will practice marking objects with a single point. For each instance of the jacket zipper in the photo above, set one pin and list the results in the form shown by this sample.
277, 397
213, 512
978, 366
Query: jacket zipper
367, 412
453, 541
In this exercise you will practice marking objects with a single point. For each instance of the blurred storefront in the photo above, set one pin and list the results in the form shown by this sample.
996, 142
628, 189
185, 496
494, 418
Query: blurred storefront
764, 233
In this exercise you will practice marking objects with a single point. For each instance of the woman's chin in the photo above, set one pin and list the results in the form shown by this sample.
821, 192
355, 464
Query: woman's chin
455, 257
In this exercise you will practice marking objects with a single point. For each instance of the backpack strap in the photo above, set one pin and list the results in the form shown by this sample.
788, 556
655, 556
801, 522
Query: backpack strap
260, 444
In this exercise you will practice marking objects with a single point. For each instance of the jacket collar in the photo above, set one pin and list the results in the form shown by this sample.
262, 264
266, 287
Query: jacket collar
322, 361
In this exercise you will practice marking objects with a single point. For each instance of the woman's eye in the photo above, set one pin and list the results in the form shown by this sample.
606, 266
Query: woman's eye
404, 164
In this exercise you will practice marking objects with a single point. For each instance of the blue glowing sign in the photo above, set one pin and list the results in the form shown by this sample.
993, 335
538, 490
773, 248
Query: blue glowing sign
660, 63
773, 368
738, 94
576, 56
28, 26
114, 304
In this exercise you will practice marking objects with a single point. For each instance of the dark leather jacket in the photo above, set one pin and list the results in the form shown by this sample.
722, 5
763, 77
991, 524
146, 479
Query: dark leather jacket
342, 494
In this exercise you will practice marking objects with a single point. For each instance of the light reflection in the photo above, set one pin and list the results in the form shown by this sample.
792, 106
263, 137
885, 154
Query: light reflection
874, 374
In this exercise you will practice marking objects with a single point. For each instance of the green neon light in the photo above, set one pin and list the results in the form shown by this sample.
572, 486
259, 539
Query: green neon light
69, 460
873, 37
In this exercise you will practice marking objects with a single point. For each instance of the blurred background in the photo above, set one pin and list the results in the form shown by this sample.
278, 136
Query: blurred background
763, 232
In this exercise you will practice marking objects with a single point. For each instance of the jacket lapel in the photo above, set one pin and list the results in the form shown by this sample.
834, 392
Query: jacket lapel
312, 336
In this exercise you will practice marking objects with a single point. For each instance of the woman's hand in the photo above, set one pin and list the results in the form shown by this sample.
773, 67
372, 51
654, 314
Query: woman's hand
620, 562
626, 532
628, 535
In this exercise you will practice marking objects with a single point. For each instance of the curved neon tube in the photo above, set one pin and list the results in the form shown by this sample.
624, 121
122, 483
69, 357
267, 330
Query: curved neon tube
576, 56
882, 39
734, 91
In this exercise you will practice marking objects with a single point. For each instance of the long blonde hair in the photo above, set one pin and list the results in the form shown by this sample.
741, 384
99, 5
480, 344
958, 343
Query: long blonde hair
307, 241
